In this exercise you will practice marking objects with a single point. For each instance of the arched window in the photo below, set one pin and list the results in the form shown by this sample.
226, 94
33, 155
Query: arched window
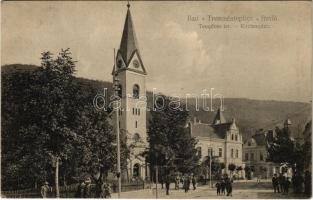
136, 91
120, 90
136, 170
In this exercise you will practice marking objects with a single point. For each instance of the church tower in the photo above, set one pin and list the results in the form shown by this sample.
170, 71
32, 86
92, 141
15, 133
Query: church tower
131, 73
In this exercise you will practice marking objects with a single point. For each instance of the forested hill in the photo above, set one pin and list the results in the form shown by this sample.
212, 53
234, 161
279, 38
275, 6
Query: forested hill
250, 115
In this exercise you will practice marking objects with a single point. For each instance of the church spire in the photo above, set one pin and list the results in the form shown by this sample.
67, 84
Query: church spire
219, 117
129, 41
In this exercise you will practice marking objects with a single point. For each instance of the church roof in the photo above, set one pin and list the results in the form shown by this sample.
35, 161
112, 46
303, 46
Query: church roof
129, 41
219, 118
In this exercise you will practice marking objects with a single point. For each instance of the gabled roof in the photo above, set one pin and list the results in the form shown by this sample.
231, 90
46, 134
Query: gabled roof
129, 41
205, 130
219, 118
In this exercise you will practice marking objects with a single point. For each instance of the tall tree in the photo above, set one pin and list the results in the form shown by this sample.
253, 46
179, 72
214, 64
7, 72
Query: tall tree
170, 144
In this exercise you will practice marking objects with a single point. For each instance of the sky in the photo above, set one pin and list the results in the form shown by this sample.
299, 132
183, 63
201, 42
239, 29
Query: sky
180, 58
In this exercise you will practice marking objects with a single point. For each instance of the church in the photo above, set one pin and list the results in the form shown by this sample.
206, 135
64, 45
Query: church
129, 70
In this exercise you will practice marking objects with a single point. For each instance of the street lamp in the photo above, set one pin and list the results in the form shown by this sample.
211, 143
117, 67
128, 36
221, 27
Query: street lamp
116, 102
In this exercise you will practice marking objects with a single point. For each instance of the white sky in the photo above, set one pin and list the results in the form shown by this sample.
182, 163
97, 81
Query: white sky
179, 57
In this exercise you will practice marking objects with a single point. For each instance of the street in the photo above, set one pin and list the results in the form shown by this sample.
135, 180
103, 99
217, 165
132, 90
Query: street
243, 189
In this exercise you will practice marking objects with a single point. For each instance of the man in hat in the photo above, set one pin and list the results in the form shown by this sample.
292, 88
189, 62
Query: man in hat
45, 190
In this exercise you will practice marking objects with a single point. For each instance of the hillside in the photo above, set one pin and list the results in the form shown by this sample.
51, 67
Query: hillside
250, 114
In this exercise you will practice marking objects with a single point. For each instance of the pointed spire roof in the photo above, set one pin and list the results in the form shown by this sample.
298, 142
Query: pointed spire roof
219, 118
129, 41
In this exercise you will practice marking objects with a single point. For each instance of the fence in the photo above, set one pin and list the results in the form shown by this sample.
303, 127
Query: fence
69, 191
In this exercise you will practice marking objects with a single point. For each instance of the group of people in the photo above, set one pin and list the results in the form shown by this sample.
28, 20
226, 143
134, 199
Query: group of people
281, 183
102, 190
186, 182
224, 184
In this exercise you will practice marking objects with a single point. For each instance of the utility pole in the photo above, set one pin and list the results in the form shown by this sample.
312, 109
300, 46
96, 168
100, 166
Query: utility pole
210, 175
118, 174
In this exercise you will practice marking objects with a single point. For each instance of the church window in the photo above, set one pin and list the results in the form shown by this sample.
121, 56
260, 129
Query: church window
138, 111
246, 156
232, 137
220, 152
136, 91
120, 93
232, 153
237, 153
133, 111
136, 124
236, 137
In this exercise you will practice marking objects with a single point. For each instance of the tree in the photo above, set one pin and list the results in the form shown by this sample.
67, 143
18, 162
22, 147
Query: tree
48, 116
231, 168
283, 149
170, 144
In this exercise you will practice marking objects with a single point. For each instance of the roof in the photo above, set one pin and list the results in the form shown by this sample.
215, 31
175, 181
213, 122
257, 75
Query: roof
129, 41
219, 117
205, 130
260, 139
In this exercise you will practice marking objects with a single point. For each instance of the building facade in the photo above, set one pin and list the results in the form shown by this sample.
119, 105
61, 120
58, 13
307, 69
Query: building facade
221, 139
255, 156
131, 74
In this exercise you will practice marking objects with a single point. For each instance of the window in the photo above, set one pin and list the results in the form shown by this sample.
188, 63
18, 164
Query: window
119, 93
220, 152
249, 143
136, 124
232, 153
138, 111
261, 157
232, 137
133, 111
252, 156
237, 153
210, 152
246, 156
236, 137
199, 153
136, 91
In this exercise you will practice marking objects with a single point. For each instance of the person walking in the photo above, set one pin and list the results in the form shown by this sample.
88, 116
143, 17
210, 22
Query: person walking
80, 190
307, 183
87, 188
223, 186
186, 183
218, 188
229, 187
286, 184
194, 182
167, 184
107, 190
177, 179
45, 190
275, 183
281, 182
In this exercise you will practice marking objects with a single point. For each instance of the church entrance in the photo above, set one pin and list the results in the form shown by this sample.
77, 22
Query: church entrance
136, 170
